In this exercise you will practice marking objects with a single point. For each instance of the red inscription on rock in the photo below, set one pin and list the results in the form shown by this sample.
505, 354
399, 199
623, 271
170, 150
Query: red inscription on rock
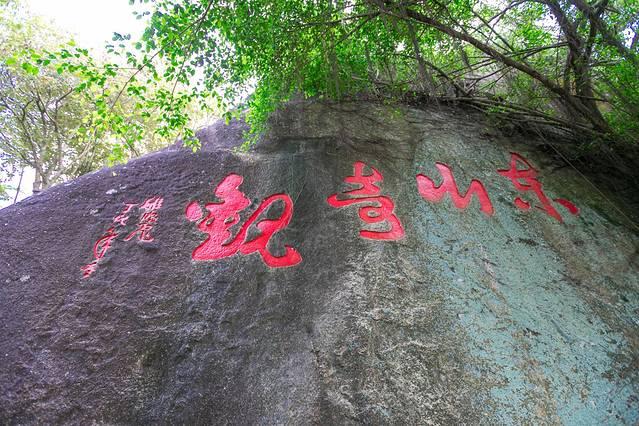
430, 192
377, 208
121, 218
225, 214
525, 180
101, 246
148, 218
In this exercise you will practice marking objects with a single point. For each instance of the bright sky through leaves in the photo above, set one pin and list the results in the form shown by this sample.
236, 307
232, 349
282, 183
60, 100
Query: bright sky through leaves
92, 22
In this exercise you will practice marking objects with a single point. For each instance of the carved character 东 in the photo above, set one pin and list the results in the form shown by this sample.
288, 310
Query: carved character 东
525, 180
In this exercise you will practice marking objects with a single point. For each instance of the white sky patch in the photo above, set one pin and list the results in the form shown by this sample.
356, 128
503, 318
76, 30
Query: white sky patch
25, 187
91, 22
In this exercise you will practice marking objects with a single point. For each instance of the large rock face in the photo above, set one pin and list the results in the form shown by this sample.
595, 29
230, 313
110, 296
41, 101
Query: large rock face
115, 308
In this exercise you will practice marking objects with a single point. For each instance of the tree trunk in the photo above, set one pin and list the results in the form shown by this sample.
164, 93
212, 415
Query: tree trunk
37, 182
15, 199
569, 100
426, 79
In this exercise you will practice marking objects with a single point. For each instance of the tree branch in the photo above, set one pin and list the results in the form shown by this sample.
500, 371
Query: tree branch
505, 59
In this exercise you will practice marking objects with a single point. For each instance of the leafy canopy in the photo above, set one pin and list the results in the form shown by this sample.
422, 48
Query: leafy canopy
41, 115
570, 64
64, 113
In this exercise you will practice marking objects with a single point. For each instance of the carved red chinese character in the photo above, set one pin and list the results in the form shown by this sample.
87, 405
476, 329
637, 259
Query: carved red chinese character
122, 218
525, 179
89, 269
147, 219
104, 243
225, 214
152, 204
377, 208
430, 192
100, 248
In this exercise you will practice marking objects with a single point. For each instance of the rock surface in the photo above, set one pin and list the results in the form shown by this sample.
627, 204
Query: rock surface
510, 318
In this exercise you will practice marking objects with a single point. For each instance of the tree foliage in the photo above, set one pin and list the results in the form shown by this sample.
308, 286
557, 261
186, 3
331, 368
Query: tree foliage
44, 123
571, 64
63, 113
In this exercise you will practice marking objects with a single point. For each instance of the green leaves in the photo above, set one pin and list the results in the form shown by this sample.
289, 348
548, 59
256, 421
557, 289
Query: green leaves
120, 37
251, 56
30, 68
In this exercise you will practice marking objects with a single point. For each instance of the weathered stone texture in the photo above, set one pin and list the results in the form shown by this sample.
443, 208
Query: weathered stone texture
514, 318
